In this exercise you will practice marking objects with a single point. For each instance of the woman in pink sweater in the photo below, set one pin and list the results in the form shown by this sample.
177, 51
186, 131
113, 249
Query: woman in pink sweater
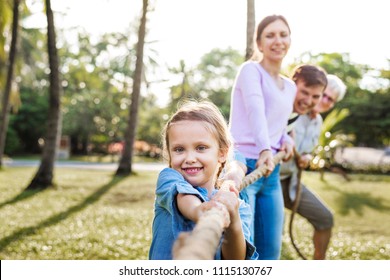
261, 103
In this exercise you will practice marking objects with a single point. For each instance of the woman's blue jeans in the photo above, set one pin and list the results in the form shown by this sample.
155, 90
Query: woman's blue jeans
265, 198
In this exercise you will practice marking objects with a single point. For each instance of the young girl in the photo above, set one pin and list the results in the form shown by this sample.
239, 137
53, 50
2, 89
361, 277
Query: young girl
197, 144
261, 103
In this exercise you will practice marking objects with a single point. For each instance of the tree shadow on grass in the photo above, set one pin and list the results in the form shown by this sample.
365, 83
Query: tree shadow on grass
4, 242
25, 194
356, 201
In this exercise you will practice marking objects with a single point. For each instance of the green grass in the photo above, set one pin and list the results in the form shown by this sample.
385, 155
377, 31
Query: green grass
92, 158
362, 218
93, 215
88, 215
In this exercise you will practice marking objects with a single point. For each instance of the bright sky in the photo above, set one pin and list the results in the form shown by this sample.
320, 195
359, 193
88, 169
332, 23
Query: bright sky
187, 29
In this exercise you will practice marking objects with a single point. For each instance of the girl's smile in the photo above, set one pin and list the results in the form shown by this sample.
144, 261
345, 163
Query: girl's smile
192, 170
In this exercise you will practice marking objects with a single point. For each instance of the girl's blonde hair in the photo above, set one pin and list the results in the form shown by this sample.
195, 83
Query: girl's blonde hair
206, 112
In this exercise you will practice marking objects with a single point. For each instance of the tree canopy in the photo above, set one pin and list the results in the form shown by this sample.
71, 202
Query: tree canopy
98, 79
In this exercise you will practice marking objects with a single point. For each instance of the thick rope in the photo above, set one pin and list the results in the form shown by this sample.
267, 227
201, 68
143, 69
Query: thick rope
203, 241
260, 171
295, 204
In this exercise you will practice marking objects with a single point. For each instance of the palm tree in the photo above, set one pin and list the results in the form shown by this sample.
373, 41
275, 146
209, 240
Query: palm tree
8, 84
250, 28
44, 176
125, 164
5, 19
184, 89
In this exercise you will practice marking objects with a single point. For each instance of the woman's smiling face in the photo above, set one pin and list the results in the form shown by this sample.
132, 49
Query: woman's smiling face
275, 40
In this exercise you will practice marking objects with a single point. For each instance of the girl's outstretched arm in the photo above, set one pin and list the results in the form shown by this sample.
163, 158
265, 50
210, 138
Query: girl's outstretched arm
188, 206
191, 207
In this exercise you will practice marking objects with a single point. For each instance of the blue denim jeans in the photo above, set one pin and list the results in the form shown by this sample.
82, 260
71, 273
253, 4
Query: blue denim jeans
266, 200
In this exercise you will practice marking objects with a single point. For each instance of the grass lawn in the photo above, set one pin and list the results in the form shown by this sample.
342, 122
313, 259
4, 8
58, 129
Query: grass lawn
92, 215
362, 218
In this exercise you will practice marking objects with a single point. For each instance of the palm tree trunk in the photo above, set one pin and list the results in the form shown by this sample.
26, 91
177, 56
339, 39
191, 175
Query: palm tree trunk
44, 176
125, 164
11, 65
250, 28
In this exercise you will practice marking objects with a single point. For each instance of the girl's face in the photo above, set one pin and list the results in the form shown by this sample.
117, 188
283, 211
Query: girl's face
195, 153
275, 41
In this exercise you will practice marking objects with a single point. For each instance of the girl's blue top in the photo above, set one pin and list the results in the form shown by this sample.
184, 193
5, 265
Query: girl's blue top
168, 221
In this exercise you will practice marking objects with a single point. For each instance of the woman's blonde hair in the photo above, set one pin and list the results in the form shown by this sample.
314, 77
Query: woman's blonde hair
206, 112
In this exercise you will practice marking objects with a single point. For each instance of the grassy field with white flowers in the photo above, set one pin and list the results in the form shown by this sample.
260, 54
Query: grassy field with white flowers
92, 215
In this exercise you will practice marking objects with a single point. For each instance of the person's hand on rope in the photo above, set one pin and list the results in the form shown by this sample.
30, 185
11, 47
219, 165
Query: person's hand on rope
211, 218
228, 196
304, 161
288, 148
235, 172
234, 246
266, 158
214, 204
229, 186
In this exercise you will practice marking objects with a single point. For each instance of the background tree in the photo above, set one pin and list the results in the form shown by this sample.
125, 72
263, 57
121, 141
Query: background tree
151, 120
250, 28
125, 164
26, 125
5, 19
8, 84
97, 76
215, 76
95, 92
44, 176
185, 89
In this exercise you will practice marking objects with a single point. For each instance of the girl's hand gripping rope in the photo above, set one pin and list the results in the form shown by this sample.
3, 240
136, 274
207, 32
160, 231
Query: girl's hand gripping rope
228, 197
214, 217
